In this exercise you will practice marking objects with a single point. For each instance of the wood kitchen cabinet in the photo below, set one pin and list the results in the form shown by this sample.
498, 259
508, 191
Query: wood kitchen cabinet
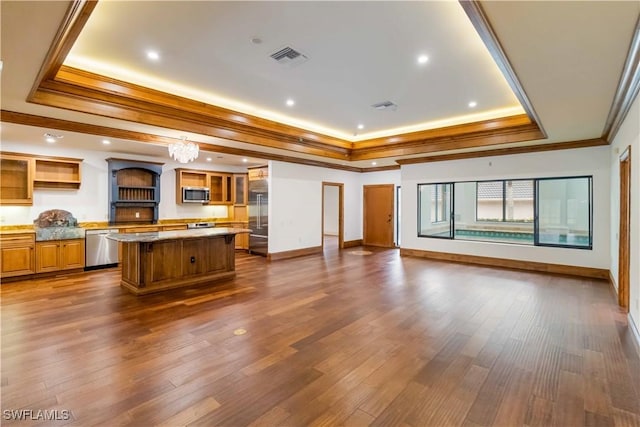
16, 179
190, 178
17, 255
221, 188
240, 189
242, 239
20, 174
56, 255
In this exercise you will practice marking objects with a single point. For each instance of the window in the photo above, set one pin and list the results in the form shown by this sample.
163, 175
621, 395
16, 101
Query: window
435, 210
564, 212
541, 212
501, 201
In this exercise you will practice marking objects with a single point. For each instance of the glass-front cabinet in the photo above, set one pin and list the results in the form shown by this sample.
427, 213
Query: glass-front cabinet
16, 180
240, 189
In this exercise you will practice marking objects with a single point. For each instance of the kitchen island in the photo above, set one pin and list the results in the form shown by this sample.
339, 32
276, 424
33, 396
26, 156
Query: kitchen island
157, 261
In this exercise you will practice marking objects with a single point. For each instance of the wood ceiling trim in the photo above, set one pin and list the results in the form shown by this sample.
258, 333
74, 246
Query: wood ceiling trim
492, 125
103, 84
479, 19
94, 94
147, 138
482, 139
627, 90
108, 106
75, 18
507, 151
78, 90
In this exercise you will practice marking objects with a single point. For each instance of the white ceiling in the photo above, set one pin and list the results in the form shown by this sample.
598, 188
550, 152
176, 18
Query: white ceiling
360, 53
568, 57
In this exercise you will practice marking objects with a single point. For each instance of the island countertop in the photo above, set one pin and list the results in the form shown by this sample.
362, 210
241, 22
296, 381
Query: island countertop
156, 236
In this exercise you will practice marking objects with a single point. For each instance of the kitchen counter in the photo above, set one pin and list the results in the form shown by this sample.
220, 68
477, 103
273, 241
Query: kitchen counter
156, 236
163, 260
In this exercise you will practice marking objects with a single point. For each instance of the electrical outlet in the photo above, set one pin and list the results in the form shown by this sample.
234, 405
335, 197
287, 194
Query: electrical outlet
137, 214
2, 219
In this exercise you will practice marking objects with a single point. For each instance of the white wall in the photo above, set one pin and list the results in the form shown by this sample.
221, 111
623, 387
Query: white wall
295, 206
628, 135
91, 202
331, 213
585, 161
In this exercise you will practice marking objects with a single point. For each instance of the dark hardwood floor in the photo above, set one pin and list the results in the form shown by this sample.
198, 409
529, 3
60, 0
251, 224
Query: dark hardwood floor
340, 339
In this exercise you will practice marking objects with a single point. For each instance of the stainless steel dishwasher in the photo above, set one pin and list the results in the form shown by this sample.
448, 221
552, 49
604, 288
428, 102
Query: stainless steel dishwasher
100, 252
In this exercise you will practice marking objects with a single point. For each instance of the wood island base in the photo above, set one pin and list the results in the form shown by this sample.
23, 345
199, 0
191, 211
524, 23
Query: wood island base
159, 265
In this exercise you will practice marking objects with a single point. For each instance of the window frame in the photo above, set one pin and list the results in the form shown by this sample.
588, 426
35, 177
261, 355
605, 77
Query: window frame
536, 223
504, 200
451, 203
536, 228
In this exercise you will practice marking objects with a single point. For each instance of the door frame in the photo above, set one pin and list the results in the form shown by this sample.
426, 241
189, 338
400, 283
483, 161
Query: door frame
393, 213
340, 213
624, 232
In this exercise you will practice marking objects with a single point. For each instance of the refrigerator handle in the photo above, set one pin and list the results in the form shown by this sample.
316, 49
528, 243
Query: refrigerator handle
258, 225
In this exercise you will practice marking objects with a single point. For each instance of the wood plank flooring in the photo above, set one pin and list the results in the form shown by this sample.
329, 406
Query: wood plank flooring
340, 339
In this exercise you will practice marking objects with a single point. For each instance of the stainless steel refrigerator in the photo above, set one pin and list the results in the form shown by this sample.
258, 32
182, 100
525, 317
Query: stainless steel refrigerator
259, 211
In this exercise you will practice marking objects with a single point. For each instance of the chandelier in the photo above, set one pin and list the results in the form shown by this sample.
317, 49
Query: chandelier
183, 151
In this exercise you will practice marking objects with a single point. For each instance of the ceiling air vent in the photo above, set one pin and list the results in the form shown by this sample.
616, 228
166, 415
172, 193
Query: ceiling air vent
289, 56
385, 105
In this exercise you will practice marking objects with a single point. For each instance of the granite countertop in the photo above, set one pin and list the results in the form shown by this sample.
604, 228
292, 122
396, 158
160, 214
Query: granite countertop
58, 233
155, 236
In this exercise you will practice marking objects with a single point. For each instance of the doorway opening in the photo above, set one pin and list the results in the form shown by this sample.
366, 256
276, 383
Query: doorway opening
398, 214
332, 215
624, 237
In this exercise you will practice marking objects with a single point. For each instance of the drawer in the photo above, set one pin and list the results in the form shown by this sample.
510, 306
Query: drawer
139, 229
17, 239
174, 227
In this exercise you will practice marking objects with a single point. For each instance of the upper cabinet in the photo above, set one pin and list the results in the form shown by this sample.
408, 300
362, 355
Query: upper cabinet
223, 188
192, 186
134, 193
240, 189
61, 173
16, 180
21, 173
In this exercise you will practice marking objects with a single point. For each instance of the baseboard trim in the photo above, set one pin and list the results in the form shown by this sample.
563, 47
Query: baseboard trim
593, 273
634, 332
612, 286
277, 256
352, 243
42, 275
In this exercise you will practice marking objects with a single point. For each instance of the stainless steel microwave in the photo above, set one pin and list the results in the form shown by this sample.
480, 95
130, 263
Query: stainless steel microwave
195, 195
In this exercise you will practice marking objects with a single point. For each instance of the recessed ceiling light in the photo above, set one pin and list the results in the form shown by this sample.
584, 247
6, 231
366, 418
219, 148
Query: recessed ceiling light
153, 55
106, 142
51, 138
290, 102
374, 163
208, 159
245, 160
472, 104
360, 126
423, 59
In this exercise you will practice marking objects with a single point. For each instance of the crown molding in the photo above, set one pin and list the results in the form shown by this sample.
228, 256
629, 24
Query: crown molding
627, 90
585, 143
147, 138
75, 18
78, 90
479, 20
